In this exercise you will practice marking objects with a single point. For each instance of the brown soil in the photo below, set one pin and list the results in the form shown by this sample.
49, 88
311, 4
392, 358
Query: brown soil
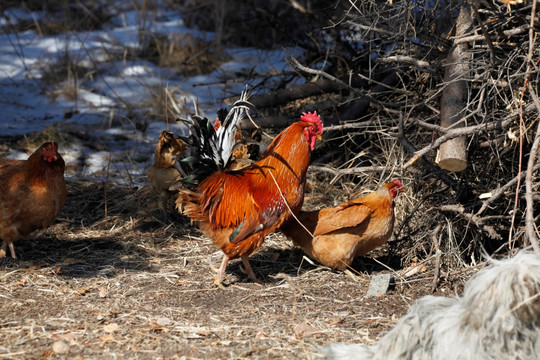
115, 278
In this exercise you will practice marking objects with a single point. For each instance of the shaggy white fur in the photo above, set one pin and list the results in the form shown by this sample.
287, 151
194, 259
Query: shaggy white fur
497, 318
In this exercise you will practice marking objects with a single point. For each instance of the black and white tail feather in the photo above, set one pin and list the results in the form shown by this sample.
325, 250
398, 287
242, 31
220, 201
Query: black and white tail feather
209, 150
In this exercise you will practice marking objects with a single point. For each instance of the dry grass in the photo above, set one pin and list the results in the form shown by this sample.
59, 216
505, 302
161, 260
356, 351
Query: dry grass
63, 16
184, 54
136, 284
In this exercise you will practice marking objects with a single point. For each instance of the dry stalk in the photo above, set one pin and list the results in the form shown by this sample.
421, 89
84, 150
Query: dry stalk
436, 239
529, 212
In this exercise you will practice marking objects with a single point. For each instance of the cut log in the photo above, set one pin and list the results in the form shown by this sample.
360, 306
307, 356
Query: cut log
452, 155
283, 96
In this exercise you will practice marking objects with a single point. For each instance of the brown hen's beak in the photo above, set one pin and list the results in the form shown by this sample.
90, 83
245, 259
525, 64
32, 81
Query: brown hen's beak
319, 137
402, 189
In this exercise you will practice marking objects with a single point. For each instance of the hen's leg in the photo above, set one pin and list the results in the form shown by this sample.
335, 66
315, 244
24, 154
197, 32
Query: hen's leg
249, 270
3, 249
5, 244
221, 272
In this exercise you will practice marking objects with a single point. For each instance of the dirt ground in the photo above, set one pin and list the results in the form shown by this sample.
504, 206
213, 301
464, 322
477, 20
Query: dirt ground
116, 278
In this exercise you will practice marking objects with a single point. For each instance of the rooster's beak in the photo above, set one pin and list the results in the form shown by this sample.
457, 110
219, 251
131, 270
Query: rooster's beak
319, 137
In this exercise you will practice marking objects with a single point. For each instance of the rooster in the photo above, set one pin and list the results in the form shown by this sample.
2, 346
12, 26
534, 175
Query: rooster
162, 174
32, 192
337, 235
238, 208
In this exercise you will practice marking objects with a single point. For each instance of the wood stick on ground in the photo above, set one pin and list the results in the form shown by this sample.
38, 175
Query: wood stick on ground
405, 59
308, 70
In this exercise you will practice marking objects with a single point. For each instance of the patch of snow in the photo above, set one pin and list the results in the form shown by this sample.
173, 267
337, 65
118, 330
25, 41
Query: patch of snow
107, 141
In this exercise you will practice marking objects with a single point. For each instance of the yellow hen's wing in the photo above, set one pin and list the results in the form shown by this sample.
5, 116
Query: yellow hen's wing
346, 215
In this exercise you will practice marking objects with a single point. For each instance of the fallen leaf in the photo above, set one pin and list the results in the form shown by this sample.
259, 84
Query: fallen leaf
106, 338
110, 328
60, 347
83, 291
102, 292
260, 334
304, 329
163, 321
21, 282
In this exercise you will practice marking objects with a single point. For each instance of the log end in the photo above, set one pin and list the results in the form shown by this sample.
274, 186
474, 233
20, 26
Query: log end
452, 155
452, 164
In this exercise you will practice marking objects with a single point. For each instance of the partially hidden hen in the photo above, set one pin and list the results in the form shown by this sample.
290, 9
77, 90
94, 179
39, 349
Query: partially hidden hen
32, 192
162, 174
348, 230
238, 208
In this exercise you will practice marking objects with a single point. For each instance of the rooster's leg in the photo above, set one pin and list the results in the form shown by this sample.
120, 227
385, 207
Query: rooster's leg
12, 249
221, 272
249, 270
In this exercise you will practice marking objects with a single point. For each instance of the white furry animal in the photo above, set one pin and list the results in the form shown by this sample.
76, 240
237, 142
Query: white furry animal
497, 318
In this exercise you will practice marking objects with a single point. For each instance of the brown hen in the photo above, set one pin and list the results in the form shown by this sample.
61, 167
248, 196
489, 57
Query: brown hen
32, 192
162, 174
346, 231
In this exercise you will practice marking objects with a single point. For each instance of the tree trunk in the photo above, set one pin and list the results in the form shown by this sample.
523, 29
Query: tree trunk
452, 155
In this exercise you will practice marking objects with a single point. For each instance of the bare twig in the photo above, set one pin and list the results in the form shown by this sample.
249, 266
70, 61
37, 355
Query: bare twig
406, 60
476, 220
501, 190
429, 166
324, 74
349, 171
474, 7
357, 125
453, 133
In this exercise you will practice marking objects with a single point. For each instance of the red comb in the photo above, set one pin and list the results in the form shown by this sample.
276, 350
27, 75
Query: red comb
312, 117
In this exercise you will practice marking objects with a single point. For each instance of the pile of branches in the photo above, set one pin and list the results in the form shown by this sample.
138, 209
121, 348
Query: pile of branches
397, 82
419, 75
425, 75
